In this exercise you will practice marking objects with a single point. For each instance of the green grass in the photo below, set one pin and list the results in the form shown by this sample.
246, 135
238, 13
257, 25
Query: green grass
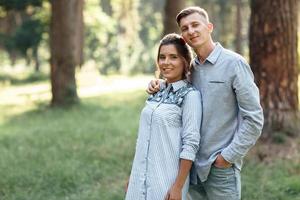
85, 152
276, 181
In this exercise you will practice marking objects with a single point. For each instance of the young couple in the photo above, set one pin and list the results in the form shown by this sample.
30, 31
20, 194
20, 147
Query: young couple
197, 124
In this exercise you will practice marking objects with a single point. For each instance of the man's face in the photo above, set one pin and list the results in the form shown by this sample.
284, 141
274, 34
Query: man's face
195, 30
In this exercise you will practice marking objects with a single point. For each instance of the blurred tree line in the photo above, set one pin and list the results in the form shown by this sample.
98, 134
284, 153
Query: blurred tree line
120, 36
22, 23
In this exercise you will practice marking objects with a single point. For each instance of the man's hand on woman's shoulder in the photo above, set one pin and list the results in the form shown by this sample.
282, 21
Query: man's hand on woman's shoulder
153, 86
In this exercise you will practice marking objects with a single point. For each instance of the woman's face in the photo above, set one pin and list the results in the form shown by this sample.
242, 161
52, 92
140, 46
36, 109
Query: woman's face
170, 63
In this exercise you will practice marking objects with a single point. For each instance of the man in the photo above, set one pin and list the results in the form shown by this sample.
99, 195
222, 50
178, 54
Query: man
232, 117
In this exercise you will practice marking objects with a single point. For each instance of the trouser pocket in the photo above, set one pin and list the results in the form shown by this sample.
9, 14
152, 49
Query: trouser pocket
223, 184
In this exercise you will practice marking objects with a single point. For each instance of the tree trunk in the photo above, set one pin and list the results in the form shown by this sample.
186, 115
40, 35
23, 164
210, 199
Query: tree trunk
126, 11
274, 60
172, 8
79, 33
226, 18
238, 27
35, 54
66, 24
8, 26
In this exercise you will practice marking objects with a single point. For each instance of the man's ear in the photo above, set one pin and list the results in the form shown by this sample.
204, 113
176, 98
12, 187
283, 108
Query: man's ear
210, 27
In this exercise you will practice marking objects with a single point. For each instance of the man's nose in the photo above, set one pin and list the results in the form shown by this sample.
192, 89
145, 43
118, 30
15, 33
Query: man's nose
190, 30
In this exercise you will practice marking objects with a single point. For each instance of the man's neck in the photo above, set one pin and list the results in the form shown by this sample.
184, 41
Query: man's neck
204, 51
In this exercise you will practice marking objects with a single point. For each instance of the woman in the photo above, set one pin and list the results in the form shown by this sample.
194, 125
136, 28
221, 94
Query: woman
169, 136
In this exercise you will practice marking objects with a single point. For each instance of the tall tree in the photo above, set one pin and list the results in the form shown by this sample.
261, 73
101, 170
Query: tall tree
79, 34
8, 26
225, 18
172, 7
274, 59
65, 28
126, 12
238, 29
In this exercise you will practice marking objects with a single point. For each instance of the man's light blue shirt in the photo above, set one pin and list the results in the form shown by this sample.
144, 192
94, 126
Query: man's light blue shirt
232, 117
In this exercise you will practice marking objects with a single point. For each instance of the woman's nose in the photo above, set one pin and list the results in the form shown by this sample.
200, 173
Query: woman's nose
167, 60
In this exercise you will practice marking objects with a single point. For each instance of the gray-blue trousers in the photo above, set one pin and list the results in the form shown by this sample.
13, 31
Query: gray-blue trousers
221, 184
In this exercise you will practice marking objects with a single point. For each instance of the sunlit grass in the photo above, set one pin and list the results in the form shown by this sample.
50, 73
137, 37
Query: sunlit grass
83, 152
89, 83
279, 180
68, 153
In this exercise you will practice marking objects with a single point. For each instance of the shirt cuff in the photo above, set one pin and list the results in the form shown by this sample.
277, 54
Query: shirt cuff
187, 156
229, 155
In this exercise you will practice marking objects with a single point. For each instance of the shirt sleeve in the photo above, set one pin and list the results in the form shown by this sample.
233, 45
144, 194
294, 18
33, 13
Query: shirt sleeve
250, 113
191, 122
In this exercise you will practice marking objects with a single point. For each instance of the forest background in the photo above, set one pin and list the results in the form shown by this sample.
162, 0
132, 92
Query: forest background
73, 75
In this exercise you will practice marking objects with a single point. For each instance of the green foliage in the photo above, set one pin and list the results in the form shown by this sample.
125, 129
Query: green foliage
25, 27
122, 36
279, 180
150, 33
100, 39
7, 41
19, 4
28, 35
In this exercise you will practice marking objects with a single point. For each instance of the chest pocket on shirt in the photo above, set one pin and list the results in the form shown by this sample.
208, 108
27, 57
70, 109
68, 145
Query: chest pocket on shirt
216, 82
217, 88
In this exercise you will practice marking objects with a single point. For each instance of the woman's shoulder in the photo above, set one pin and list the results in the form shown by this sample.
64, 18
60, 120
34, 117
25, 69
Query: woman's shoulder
192, 92
189, 88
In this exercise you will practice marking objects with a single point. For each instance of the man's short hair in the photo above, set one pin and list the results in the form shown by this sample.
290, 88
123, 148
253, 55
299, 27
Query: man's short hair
190, 10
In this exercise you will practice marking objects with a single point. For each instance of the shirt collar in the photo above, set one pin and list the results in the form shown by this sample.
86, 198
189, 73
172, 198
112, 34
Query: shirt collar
213, 56
176, 85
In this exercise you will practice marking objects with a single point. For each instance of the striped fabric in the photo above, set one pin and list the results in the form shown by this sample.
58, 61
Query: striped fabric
169, 130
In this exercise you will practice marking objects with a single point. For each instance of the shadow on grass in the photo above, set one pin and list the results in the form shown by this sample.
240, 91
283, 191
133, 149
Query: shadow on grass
30, 78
